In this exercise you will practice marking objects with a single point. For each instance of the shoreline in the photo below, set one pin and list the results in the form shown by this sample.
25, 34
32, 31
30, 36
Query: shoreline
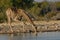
42, 26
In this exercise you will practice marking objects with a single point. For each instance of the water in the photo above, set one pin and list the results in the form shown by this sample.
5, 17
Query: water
31, 36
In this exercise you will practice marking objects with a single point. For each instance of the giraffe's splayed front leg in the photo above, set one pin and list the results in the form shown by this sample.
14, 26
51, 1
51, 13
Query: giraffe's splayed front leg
34, 28
23, 24
10, 28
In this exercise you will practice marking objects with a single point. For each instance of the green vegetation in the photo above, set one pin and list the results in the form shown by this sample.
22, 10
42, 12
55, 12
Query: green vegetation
40, 10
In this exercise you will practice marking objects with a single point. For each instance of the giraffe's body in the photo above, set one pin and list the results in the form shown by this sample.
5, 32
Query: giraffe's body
11, 14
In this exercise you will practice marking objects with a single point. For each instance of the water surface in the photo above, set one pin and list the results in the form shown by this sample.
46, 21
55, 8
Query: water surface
31, 36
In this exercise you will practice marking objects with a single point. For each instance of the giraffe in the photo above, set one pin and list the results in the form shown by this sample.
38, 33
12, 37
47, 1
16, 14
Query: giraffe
10, 15
14, 14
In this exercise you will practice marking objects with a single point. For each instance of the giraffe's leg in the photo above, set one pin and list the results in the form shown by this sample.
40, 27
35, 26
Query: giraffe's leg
34, 28
23, 26
22, 23
9, 23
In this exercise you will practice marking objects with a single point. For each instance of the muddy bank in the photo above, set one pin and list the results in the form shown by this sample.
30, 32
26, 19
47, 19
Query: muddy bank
42, 26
